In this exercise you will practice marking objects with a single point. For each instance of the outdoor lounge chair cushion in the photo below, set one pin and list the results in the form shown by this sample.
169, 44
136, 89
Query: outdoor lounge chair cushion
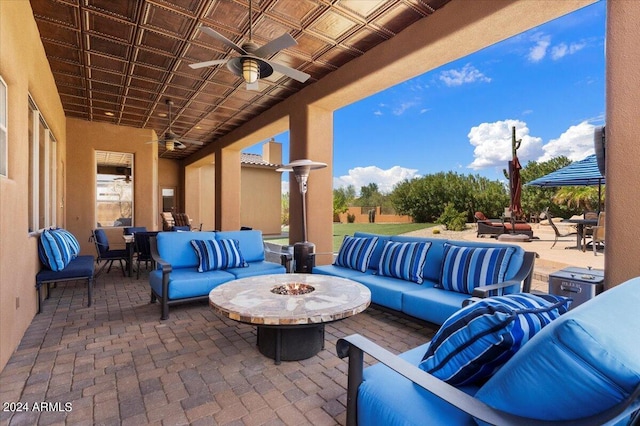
465, 268
584, 362
355, 253
404, 260
478, 339
56, 248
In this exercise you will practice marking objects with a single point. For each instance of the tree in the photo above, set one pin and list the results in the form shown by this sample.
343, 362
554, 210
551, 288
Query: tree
284, 209
342, 198
536, 199
370, 196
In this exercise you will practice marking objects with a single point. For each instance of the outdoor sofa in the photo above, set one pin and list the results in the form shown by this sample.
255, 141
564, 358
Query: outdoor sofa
434, 287
187, 272
582, 368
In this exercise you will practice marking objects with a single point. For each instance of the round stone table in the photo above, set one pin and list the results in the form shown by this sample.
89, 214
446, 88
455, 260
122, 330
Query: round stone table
290, 327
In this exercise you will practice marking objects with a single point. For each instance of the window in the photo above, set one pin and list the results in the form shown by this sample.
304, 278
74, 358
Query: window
3, 128
42, 171
114, 189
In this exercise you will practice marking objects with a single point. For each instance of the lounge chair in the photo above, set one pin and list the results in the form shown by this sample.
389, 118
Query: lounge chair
496, 227
597, 233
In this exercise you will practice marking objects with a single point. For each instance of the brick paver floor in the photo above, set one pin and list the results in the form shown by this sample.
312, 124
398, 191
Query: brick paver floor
117, 363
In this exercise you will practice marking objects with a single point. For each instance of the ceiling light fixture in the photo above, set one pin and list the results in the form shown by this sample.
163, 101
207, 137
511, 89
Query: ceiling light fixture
108, 113
250, 70
169, 145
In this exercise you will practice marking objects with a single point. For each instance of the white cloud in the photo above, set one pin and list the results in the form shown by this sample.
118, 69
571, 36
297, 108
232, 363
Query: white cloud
575, 143
561, 50
467, 74
400, 109
492, 143
539, 50
385, 179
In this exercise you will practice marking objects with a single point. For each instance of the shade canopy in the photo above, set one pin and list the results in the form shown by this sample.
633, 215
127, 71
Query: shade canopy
580, 173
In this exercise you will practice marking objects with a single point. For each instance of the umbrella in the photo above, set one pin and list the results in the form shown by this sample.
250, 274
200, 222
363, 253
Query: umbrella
580, 173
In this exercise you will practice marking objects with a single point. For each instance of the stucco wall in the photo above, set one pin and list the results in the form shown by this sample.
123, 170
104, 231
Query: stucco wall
260, 199
24, 68
83, 139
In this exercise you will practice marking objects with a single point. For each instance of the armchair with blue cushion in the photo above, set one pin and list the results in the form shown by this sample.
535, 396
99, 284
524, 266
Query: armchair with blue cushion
581, 368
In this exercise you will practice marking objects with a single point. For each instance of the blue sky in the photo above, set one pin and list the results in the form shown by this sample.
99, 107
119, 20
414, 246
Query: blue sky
549, 82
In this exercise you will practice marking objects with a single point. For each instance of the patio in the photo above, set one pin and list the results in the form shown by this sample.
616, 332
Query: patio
116, 363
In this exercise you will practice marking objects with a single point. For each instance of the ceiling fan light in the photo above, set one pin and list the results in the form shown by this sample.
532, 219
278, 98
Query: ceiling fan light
250, 70
170, 145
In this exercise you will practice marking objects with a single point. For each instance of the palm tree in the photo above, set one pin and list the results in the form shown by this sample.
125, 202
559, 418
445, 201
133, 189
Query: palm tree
578, 197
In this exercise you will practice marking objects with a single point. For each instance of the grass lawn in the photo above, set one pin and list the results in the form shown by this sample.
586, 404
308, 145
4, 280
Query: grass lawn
342, 229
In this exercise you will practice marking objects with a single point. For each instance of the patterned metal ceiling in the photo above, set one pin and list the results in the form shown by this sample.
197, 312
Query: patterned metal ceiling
118, 61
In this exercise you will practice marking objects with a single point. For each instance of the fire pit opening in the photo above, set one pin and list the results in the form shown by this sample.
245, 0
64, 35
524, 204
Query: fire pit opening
292, 289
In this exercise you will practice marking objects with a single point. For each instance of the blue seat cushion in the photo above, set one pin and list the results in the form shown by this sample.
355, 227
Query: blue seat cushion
385, 398
257, 268
339, 271
386, 291
355, 253
431, 304
80, 267
478, 339
188, 282
583, 363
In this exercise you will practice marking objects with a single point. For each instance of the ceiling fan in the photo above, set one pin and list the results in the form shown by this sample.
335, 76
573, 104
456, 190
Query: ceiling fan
252, 64
170, 140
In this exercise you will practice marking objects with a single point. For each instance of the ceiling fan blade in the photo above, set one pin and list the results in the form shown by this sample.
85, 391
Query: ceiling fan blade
213, 33
190, 141
208, 63
276, 45
289, 72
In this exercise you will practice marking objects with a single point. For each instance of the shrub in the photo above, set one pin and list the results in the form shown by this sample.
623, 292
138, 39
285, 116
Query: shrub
452, 219
351, 218
436, 230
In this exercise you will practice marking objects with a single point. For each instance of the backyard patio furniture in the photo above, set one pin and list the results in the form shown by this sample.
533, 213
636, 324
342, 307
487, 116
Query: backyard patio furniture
583, 368
556, 231
598, 233
496, 227
105, 254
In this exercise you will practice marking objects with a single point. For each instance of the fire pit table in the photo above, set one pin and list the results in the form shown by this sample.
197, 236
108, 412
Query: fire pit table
290, 310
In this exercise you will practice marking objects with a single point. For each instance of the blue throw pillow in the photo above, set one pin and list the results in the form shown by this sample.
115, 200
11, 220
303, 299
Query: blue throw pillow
54, 250
218, 254
355, 252
477, 340
404, 260
72, 242
465, 268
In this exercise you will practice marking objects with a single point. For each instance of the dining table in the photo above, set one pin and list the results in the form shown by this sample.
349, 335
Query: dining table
581, 224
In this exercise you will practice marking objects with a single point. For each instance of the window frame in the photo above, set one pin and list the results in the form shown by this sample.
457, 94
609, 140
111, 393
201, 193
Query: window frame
4, 133
42, 189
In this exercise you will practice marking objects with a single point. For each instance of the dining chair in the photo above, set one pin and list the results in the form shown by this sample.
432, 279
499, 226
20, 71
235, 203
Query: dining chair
105, 254
143, 250
555, 228
598, 233
130, 230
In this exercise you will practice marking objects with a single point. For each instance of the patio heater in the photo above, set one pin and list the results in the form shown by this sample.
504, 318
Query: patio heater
302, 251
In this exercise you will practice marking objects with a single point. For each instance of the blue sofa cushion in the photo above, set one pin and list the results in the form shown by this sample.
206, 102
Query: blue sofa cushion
72, 242
250, 242
478, 339
81, 267
54, 249
404, 260
431, 304
355, 253
465, 268
257, 268
187, 282
175, 247
218, 254
583, 363
377, 251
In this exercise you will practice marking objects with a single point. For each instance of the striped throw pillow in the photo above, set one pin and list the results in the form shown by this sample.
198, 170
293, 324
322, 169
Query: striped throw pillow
218, 254
355, 252
54, 250
404, 260
478, 339
465, 268
72, 242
